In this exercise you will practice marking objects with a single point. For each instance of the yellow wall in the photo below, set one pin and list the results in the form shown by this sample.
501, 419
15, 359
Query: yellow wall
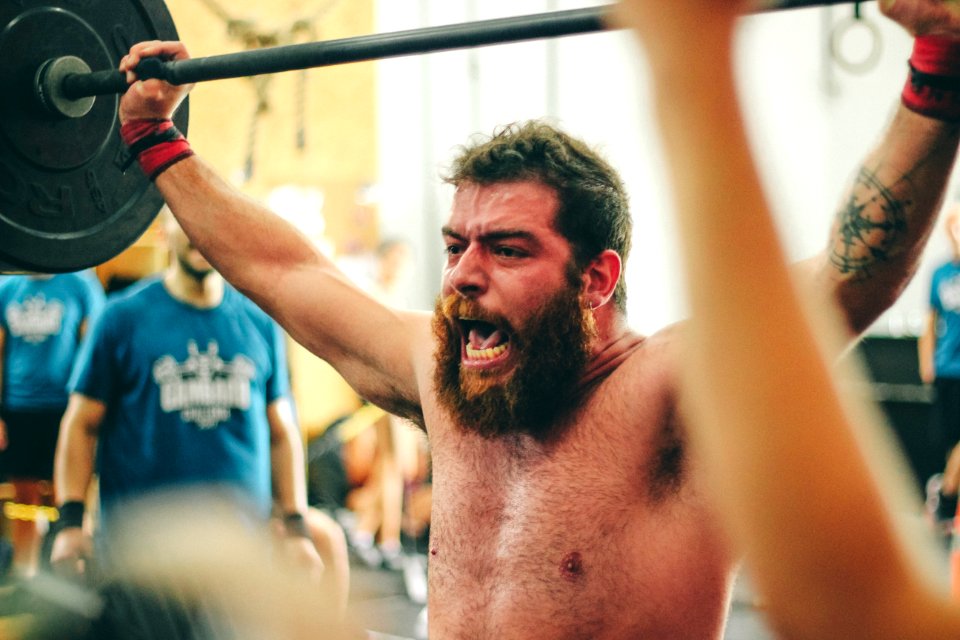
339, 155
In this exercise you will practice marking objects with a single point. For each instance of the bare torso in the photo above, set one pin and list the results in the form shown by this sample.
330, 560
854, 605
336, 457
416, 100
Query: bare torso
601, 534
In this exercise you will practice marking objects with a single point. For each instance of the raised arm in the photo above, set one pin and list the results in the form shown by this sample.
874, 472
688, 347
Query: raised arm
885, 218
782, 449
269, 260
889, 210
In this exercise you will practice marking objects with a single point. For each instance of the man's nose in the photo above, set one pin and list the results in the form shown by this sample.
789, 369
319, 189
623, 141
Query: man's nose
469, 276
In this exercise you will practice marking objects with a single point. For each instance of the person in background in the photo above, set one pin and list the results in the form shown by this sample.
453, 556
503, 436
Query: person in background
939, 360
181, 384
792, 460
42, 320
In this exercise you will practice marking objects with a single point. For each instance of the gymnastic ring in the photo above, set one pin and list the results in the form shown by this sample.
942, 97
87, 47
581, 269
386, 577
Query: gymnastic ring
840, 31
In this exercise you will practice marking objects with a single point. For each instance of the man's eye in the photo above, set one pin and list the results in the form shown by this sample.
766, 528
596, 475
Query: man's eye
509, 252
453, 249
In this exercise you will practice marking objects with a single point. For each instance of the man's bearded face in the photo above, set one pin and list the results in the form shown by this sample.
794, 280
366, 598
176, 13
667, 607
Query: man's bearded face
196, 271
191, 261
497, 379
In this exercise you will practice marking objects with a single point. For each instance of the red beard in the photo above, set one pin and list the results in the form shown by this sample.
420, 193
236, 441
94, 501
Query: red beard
549, 356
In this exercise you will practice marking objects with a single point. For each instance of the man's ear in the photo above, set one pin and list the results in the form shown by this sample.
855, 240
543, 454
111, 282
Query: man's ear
600, 278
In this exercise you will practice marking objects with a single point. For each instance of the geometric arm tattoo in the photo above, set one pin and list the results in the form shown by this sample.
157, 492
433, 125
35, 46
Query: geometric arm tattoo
867, 237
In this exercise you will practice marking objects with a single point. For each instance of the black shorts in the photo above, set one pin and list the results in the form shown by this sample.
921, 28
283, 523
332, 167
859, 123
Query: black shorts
31, 444
327, 483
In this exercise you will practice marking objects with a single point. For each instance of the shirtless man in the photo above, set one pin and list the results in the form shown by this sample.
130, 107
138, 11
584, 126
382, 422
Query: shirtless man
565, 503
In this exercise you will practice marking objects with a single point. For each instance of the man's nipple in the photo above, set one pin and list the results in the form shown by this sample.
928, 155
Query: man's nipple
571, 567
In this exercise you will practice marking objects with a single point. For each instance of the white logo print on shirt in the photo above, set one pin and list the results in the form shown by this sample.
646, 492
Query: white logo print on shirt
35, 319
204, 388
949, 291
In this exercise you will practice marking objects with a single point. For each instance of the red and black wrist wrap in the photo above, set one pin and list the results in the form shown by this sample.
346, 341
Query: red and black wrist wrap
157, 144
933, 88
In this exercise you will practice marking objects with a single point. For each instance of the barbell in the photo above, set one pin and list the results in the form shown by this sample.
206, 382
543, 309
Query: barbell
66, 202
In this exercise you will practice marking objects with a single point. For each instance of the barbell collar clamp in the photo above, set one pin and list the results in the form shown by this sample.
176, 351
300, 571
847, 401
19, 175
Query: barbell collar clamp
50, 87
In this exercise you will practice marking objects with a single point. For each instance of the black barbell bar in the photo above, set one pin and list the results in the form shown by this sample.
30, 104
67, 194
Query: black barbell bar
371, 47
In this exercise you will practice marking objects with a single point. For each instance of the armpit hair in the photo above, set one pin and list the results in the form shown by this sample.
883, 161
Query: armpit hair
401, 408
667, 471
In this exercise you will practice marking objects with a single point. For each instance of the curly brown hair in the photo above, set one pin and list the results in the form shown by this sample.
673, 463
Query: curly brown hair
594, 212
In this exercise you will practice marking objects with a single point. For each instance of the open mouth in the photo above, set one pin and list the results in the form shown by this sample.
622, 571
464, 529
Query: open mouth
484, 344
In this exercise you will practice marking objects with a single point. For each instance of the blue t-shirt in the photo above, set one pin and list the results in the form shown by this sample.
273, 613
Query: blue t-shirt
945, 301
186, 391
41, 320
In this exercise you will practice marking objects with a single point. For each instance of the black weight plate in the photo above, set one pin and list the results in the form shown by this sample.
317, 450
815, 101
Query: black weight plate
65, 204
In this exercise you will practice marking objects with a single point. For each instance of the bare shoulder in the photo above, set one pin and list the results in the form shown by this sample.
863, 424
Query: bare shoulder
670, 336
658, 355
639, 375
